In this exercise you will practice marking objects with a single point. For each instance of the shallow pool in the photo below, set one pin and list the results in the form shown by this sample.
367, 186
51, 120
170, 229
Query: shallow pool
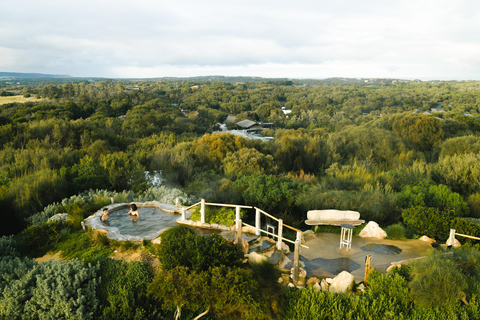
120, 226
152, 220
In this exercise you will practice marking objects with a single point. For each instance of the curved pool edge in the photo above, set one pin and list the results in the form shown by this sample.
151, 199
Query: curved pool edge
94, 222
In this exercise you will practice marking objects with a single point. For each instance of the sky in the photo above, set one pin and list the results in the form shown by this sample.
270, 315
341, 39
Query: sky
408, 39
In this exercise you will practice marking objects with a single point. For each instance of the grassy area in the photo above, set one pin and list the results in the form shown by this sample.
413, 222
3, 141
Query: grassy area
21, 99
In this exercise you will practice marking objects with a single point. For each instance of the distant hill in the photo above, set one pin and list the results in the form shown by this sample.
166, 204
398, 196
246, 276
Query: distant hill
17, 75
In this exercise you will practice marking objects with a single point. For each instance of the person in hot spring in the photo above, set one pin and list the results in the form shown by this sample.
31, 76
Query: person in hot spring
134, 212
105, 214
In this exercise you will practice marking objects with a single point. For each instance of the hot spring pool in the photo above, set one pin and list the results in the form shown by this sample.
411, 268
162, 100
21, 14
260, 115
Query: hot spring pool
154, 219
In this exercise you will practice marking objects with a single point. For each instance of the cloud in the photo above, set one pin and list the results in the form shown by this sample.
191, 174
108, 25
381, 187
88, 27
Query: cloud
151, 38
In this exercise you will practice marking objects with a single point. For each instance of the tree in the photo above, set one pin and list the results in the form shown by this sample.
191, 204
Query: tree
246, 162
421, 131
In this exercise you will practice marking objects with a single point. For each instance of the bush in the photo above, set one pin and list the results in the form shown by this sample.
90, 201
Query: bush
50, 290
37, 240
428, 221
227, 293
437, 282
123, 291
219, 215
467, 227
395, 231
182, 247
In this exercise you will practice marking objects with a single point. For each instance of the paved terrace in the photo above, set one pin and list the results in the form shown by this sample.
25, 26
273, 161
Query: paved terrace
325, 259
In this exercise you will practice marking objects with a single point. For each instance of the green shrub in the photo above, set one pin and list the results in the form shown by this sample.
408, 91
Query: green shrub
122, 292
437, 281
428, 221
37, 240
226, 293
467, 227
8, 247
182, 247
50, 290
219, 215
395, 231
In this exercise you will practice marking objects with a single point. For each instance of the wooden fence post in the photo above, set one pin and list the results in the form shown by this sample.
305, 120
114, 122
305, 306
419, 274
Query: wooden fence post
296, 256
280, 232
202, 211
368, 268
257, 222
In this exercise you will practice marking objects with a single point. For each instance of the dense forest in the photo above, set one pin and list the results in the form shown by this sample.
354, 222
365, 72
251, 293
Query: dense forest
405, 154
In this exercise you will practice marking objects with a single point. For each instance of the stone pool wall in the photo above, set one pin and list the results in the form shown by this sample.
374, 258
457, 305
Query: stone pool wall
114, 233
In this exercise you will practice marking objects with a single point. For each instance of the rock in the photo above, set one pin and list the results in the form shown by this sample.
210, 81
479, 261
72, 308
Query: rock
426, 239
309, 234
312, 281
456, 243
329, 280
255, 258
324, 285
280, 280
157, 240
244, 246
342, 283
317, 286
373, 230
291, 285
361, 287
302, 274
247, 229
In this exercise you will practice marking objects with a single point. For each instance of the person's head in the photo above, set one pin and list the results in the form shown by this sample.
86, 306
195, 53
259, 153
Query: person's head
133, 206
105, 210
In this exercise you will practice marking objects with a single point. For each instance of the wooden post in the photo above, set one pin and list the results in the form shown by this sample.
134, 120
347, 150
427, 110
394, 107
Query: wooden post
237, 213
202, 211
239, 234
368, 268
257, 222
184, 215
296, 256
280, 232
451, 238
112, 200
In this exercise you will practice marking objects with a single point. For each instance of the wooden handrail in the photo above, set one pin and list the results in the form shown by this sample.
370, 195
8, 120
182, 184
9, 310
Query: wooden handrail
227, 205
193, 205
467, 236
273, 234
269, 215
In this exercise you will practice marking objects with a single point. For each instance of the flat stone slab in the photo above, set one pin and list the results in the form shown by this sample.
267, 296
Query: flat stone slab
333, 217
381, 248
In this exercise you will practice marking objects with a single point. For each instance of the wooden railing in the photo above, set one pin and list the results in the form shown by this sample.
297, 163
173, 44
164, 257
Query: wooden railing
257, 227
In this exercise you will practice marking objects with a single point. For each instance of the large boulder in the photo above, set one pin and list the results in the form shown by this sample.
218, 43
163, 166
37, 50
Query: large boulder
342, 283
372, 230
255, 258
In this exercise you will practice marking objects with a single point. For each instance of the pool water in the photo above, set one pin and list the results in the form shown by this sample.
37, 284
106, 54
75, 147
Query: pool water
152, 221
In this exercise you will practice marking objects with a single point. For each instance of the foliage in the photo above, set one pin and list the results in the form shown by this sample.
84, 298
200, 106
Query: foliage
467, 227
446, 289
35, 241
269, 193
50, 290
227, 293
122, 292
426, 193
395, 231
182, 247
421, 131
247, 162
219, 215
428, 221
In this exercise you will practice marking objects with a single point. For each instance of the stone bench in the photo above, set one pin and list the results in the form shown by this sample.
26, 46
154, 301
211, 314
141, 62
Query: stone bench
333, 217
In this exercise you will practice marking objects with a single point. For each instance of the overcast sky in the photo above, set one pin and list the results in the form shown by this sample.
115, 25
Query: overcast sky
435, 39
